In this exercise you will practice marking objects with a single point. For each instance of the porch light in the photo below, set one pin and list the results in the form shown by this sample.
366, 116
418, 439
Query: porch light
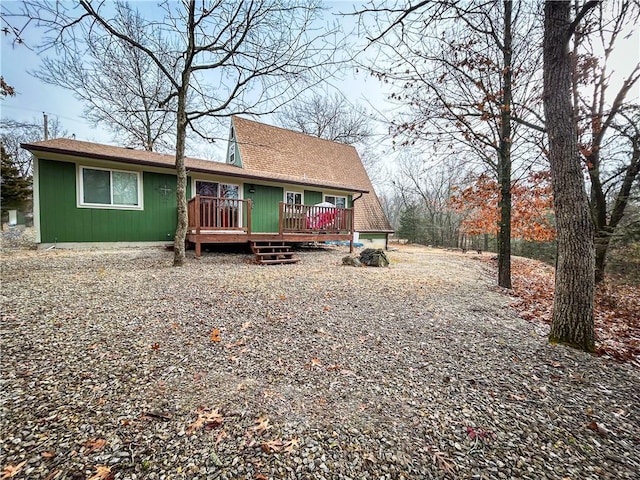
252, 189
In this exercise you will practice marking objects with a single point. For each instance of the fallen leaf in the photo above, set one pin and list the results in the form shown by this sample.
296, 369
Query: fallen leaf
593, 425
260, 476
333, 368
315, 363
94, 445
325, 309
48, 454
283, 297
10, 471
272, 446
220, 436
102, 473
291, 445
205, 419
261, 425
245, 326
215, 335
155, 346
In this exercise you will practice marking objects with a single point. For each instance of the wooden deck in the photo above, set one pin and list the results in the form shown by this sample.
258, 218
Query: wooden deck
228, 220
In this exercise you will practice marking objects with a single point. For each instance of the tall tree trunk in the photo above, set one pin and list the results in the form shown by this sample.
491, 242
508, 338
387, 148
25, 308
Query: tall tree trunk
504, 157
179, 253
182, 122
572, 321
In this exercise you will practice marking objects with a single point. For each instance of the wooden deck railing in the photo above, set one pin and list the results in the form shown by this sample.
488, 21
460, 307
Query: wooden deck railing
310, 218
212, 213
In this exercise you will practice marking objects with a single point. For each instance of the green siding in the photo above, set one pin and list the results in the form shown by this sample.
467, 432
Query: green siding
372, 236
266, 201
312, 197
62, 221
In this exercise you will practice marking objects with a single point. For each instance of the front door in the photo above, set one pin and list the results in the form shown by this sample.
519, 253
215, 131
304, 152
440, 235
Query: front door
265, 207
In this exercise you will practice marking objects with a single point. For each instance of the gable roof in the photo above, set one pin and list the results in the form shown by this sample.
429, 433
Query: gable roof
80, 149
281, 151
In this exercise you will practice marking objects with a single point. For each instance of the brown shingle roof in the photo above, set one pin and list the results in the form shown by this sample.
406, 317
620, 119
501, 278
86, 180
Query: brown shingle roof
279, 151
76, 148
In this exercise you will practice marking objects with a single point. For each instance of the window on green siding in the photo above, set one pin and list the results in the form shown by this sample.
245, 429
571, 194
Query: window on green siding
340, 202
110, 188
294, 198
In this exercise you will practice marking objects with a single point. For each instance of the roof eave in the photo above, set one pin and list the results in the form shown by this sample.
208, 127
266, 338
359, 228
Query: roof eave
240, 174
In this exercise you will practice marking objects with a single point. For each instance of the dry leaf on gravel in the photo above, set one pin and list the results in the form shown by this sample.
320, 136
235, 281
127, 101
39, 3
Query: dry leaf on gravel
94, 445
102, 473
261, 425
10, 471
272, 446
205, 418
215, 335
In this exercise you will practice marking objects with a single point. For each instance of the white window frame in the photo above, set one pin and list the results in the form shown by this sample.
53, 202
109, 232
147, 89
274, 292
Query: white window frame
294, 192
346, 204
219, 182
110, 206
232, 147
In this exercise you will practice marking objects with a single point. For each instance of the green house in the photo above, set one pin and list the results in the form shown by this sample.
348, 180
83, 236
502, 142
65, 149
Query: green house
276, 184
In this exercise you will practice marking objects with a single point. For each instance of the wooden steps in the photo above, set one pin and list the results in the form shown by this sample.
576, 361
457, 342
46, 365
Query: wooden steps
273, 253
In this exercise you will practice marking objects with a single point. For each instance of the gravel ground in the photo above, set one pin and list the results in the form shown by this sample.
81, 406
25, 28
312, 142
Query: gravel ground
117, 365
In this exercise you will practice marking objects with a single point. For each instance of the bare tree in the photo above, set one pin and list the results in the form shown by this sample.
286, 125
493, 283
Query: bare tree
463, 70
599, 111
328, 116
334, 118
119, 84
572, 321
13, 133
226, 57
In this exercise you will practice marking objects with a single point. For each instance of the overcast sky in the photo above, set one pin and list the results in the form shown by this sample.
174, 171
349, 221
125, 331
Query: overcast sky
34, 97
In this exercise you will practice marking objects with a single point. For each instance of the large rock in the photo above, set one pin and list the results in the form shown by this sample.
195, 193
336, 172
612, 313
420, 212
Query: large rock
353, 261
374, 257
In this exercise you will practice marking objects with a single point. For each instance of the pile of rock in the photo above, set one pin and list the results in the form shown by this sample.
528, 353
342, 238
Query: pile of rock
372, 257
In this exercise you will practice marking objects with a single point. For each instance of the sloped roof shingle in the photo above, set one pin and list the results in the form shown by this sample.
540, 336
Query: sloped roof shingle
77, 148
279, 151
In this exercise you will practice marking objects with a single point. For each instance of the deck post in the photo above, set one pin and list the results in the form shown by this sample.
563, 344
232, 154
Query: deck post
351, 229
198, 249
249, 208
281, 219
197, 221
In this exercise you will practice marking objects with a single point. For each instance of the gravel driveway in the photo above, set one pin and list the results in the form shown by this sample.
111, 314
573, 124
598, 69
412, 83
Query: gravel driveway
117, 365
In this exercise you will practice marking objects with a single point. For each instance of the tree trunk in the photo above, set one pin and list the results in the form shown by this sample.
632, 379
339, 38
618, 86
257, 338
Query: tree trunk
504, 157
181, 136
602, 239
179, 253
604, 230
572, 321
